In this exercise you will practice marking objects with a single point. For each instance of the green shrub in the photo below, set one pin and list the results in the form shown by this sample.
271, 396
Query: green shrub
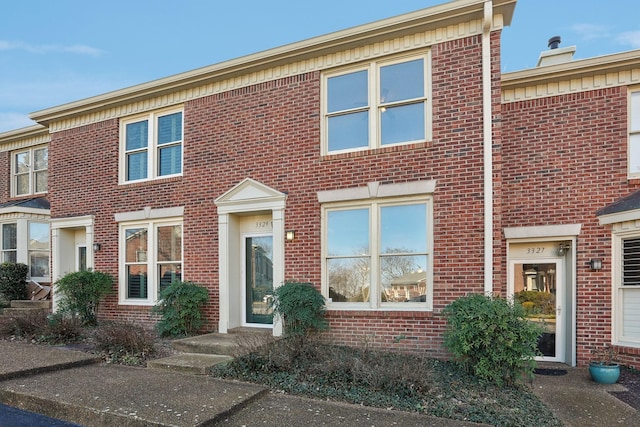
81, 292
180, 306
491, 338
124, 342
13, 281
301, 308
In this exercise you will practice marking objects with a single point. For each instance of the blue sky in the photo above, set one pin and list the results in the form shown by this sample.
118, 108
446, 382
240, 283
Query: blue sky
53, 52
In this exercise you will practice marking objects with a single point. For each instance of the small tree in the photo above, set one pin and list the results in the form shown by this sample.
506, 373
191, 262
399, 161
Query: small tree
492, 338
81, 293
13, 281
301, 308
180, 306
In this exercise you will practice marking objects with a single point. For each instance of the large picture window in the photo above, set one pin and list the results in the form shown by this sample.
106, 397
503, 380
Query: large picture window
379, 104
151, 146
30, 171
151, 254
376, 254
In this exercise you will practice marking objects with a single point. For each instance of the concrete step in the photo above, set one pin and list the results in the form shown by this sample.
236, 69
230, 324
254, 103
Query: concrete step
199, 364
43, 304
17, 311
221, 344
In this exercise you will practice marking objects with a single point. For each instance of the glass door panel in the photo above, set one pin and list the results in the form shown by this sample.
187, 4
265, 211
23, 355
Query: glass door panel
535, 288
259, 279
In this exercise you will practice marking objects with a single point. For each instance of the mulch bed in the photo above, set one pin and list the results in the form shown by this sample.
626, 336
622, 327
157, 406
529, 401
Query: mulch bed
631, 380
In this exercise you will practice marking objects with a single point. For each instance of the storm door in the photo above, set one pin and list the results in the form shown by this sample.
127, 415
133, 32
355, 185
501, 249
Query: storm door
258, 280
538, 286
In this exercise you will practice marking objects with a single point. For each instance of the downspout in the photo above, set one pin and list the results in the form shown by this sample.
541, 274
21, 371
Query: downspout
488, 143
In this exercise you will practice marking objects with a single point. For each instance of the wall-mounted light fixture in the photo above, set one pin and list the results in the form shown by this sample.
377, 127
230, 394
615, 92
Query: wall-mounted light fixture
595, 264
563, 248
96, 247
290, 234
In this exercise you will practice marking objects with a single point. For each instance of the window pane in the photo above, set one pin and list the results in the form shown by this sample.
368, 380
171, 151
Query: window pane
39, 264
402, 81
403, 278
9, 256
348, 131
403, 123
631, 262
9, 236
136, 245
41, 158
41, 181
136, 166
634, 153
170, 160
348, 232
137, 282
170, 243
347, 91
170, 128
38, 236
349, 279
403, 229
22, 162
22, 184
137, 135
169, 273
635, 111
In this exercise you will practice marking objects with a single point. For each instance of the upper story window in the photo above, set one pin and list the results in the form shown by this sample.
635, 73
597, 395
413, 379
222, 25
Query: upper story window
634, 133
30, 171
151, 146
379, 104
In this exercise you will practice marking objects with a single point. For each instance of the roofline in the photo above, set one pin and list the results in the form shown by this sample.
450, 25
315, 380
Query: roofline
616, 62
412, 22
22, 133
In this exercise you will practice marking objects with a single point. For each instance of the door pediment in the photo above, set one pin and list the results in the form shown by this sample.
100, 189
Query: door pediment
250, 195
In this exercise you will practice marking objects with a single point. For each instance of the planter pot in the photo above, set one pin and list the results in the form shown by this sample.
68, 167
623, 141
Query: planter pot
604, 374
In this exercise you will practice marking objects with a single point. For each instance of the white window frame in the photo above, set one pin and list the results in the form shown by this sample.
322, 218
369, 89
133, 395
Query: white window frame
23, 252
374, 105
633, 133
3, 251
152, 148
619, 290
31, 173
153, 282
374, 205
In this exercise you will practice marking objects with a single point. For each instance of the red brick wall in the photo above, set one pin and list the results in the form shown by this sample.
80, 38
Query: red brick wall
5, 182
564, 157
270, 132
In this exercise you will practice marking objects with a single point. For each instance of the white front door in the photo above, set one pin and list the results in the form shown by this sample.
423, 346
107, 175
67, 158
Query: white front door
536, 281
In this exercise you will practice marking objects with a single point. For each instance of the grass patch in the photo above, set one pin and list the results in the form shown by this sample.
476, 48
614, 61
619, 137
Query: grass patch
388, 380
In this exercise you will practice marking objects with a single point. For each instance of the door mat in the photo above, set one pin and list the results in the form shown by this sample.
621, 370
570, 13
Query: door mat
550, 372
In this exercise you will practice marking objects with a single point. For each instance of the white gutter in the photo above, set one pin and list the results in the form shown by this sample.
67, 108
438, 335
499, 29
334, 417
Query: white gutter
488, 149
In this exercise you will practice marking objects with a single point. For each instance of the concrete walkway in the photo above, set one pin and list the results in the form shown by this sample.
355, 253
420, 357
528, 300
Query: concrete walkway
76, 387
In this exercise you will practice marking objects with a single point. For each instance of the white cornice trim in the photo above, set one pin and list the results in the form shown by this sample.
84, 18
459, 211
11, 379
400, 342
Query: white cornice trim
414, 30
24, 137
148, 213
620, 69
375, 190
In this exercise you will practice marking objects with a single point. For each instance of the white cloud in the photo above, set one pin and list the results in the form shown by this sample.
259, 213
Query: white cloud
12, 121
629, 38
49, 48
591, 31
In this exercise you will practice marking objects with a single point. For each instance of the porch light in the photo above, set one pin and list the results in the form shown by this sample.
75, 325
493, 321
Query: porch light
290, 234
96, 247
595, 264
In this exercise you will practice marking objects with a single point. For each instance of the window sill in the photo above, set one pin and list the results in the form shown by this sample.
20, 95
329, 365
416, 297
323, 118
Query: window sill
381, 150
153, 181
371, 312
138, 303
